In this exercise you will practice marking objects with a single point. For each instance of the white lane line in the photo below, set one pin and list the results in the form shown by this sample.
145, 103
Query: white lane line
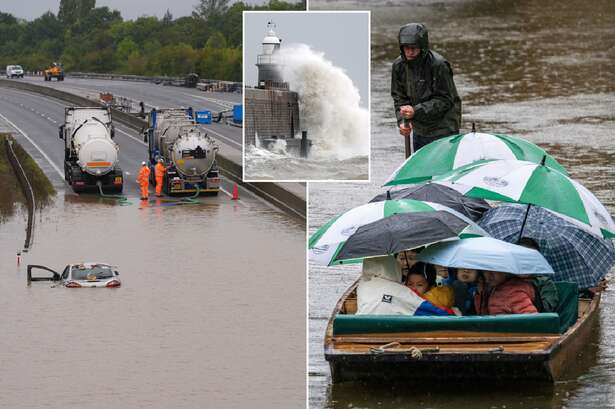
130, 136
53, 165
220, 102
226, 138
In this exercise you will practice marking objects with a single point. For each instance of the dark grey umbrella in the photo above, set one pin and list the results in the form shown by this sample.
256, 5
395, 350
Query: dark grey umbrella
402, 231
575, 254
435, 193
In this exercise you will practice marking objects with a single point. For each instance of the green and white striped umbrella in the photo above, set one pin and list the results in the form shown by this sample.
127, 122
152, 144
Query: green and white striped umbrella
446, 154
526, 182
327, 242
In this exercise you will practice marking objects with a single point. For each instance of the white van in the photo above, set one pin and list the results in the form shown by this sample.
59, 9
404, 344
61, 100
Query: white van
13, 71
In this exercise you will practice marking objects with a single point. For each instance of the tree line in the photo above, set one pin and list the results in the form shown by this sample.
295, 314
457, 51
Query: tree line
87, 38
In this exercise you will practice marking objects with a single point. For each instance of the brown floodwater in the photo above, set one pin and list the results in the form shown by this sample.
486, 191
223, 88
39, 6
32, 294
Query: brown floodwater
211, 312
539, 70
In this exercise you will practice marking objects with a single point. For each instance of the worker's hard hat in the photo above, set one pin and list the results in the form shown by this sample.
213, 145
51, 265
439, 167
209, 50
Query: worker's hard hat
143, 163
160, 160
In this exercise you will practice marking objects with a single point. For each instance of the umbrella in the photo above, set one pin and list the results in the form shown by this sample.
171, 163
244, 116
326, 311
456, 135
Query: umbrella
575, 254
526, 182
486, 253
387, 227
446, 154
432, 192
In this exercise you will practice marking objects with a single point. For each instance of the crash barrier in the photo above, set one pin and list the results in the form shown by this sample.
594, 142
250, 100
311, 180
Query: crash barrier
547, 322
270, 191
26, 187
210, 85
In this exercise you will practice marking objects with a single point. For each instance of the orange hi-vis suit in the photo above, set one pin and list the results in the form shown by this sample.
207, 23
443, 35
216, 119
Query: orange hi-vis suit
143, 180
159, 173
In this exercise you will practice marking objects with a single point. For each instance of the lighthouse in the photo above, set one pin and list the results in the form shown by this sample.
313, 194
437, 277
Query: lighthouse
271, 108
269, 75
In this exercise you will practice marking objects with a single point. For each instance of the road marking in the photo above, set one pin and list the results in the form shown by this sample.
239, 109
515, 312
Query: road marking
221, 102
223, 137
53, 165
130, 136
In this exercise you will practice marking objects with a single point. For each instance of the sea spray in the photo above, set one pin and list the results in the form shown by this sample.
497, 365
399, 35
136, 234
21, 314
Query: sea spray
328, 103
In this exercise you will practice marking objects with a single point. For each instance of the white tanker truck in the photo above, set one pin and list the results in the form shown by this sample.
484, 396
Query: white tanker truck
188, 153
90, 154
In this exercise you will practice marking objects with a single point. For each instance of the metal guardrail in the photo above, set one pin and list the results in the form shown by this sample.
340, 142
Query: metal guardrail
27, 190
202, 84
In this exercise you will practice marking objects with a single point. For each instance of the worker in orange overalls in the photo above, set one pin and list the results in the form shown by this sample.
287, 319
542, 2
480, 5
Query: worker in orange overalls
143, 180
159, 173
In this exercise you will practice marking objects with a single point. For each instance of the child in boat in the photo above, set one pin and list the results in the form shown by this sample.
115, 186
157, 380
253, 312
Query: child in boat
465, 287
503, 293
440, 296
380, 291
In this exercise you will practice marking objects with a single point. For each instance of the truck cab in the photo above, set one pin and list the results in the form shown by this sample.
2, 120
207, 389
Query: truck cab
55, 70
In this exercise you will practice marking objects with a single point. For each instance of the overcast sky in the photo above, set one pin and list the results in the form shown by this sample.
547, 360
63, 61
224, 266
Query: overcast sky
342, 37
130, 9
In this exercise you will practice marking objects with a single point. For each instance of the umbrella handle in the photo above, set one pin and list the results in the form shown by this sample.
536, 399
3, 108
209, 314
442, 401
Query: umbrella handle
527, 211
409, 140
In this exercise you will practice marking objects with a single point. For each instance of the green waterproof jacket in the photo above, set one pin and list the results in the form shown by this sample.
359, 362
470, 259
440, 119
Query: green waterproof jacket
427, 85
547, 296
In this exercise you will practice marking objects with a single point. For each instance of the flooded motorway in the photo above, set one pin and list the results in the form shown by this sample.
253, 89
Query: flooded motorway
539, 70
210, 312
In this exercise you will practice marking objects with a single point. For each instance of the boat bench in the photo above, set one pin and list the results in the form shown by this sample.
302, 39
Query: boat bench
543, 323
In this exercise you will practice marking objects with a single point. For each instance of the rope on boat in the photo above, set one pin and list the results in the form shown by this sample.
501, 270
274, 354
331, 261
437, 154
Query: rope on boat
122, 200
414, 352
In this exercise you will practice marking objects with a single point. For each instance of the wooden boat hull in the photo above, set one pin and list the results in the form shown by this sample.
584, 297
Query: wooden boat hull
458, 356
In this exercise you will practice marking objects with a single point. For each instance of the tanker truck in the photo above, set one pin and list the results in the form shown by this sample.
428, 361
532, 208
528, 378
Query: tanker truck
90, 154
189, 154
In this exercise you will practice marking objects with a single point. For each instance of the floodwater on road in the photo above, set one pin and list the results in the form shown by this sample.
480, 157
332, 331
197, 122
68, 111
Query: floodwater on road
211, 312
539, 70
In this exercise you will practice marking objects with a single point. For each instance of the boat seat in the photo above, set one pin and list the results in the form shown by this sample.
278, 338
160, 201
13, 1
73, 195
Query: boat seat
542, 323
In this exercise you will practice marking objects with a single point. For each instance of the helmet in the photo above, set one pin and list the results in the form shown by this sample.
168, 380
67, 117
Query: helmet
160, 160
143, 163
414, 34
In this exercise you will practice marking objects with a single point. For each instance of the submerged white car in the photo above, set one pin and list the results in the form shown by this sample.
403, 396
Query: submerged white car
80, 275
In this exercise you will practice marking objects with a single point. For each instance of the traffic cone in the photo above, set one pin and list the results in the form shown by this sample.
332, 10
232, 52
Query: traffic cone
235, 192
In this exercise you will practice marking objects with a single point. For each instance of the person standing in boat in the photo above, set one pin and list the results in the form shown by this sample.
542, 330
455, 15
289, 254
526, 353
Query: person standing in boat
424, 93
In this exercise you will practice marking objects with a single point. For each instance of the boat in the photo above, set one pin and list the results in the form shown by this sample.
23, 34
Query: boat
528, 347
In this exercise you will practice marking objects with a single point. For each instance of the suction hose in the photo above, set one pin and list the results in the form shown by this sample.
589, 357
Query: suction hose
122, 200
